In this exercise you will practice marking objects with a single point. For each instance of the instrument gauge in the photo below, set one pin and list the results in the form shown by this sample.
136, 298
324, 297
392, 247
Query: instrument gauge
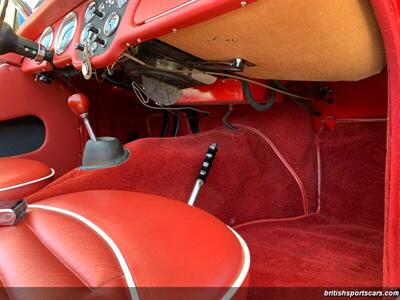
121, 3
46, 39
90, 12
66, 33
111, 24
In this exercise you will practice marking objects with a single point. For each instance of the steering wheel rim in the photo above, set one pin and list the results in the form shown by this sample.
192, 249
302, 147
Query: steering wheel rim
3, 9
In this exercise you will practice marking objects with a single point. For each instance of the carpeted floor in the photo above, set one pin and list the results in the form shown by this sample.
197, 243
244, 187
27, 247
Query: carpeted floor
247, 181
342, 246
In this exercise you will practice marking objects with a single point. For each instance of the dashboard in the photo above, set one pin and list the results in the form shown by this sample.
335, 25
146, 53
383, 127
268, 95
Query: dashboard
104, 29
100, 23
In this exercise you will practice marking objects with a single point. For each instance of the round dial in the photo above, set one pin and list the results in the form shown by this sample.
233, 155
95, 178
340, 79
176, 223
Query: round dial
89, 14
66, 33
111, 24
46, 39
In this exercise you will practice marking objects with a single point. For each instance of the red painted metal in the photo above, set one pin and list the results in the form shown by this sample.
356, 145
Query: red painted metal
129, 32
11, 58
225, 91
47, 14
150, 8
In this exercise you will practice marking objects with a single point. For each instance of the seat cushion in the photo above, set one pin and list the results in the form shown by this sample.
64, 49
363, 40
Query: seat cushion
164, 243
20, 177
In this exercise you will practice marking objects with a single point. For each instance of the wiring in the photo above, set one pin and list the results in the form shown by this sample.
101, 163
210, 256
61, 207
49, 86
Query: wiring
140, 92
144, 98
137, 60
253, 102
225, 118
260, 84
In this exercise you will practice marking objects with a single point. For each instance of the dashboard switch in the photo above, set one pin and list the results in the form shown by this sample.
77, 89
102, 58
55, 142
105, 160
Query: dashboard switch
98, 13
100, 41
94, 29
79, 47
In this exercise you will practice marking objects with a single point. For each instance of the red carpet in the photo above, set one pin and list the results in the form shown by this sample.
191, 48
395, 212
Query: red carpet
247, 180
314, 252
343, 245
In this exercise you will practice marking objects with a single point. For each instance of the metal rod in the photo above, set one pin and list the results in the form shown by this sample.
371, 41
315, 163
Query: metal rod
89, 128
196, 191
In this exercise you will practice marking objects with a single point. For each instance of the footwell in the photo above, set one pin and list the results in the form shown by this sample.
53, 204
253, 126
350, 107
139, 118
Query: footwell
342, 246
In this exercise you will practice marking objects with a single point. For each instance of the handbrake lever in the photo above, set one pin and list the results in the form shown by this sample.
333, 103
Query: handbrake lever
203, 174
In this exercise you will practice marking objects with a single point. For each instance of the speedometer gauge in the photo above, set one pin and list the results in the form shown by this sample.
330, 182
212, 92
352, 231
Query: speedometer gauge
46, 39
66, 33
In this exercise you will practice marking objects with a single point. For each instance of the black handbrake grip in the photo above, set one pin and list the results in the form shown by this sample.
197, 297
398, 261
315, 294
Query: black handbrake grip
207, 163
204, 170
10, 42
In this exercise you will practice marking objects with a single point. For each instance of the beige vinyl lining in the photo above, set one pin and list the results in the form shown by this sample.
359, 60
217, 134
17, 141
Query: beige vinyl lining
317, 40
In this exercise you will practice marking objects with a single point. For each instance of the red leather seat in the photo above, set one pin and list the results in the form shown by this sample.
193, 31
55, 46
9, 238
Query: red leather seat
164, 243
20, 177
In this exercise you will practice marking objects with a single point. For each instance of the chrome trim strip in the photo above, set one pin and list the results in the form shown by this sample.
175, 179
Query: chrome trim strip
121, 260
245, 268
52, 173
40, 54
169, 11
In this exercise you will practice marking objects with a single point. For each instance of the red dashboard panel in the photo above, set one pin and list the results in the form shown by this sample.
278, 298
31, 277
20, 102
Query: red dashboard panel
131, 30
11, 58
147, 9
47, 14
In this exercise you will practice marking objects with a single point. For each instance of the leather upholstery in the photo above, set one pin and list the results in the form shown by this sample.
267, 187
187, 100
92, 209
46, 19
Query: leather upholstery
20, 177
165, 243
21, 96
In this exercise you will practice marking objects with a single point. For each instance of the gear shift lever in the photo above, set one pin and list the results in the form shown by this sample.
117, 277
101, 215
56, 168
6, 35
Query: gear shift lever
99, 152
79, 104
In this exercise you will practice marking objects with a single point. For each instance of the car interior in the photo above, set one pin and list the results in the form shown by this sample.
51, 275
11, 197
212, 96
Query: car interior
198, 149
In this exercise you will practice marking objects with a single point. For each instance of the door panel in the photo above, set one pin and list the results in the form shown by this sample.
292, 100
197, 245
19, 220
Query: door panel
21, 96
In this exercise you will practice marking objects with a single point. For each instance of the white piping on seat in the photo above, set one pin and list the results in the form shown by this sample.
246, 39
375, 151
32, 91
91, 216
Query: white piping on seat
124, 266
121, 260
52, 173
245, 268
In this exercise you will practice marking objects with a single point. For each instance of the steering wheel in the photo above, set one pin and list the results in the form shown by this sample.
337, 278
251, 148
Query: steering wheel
3, 9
